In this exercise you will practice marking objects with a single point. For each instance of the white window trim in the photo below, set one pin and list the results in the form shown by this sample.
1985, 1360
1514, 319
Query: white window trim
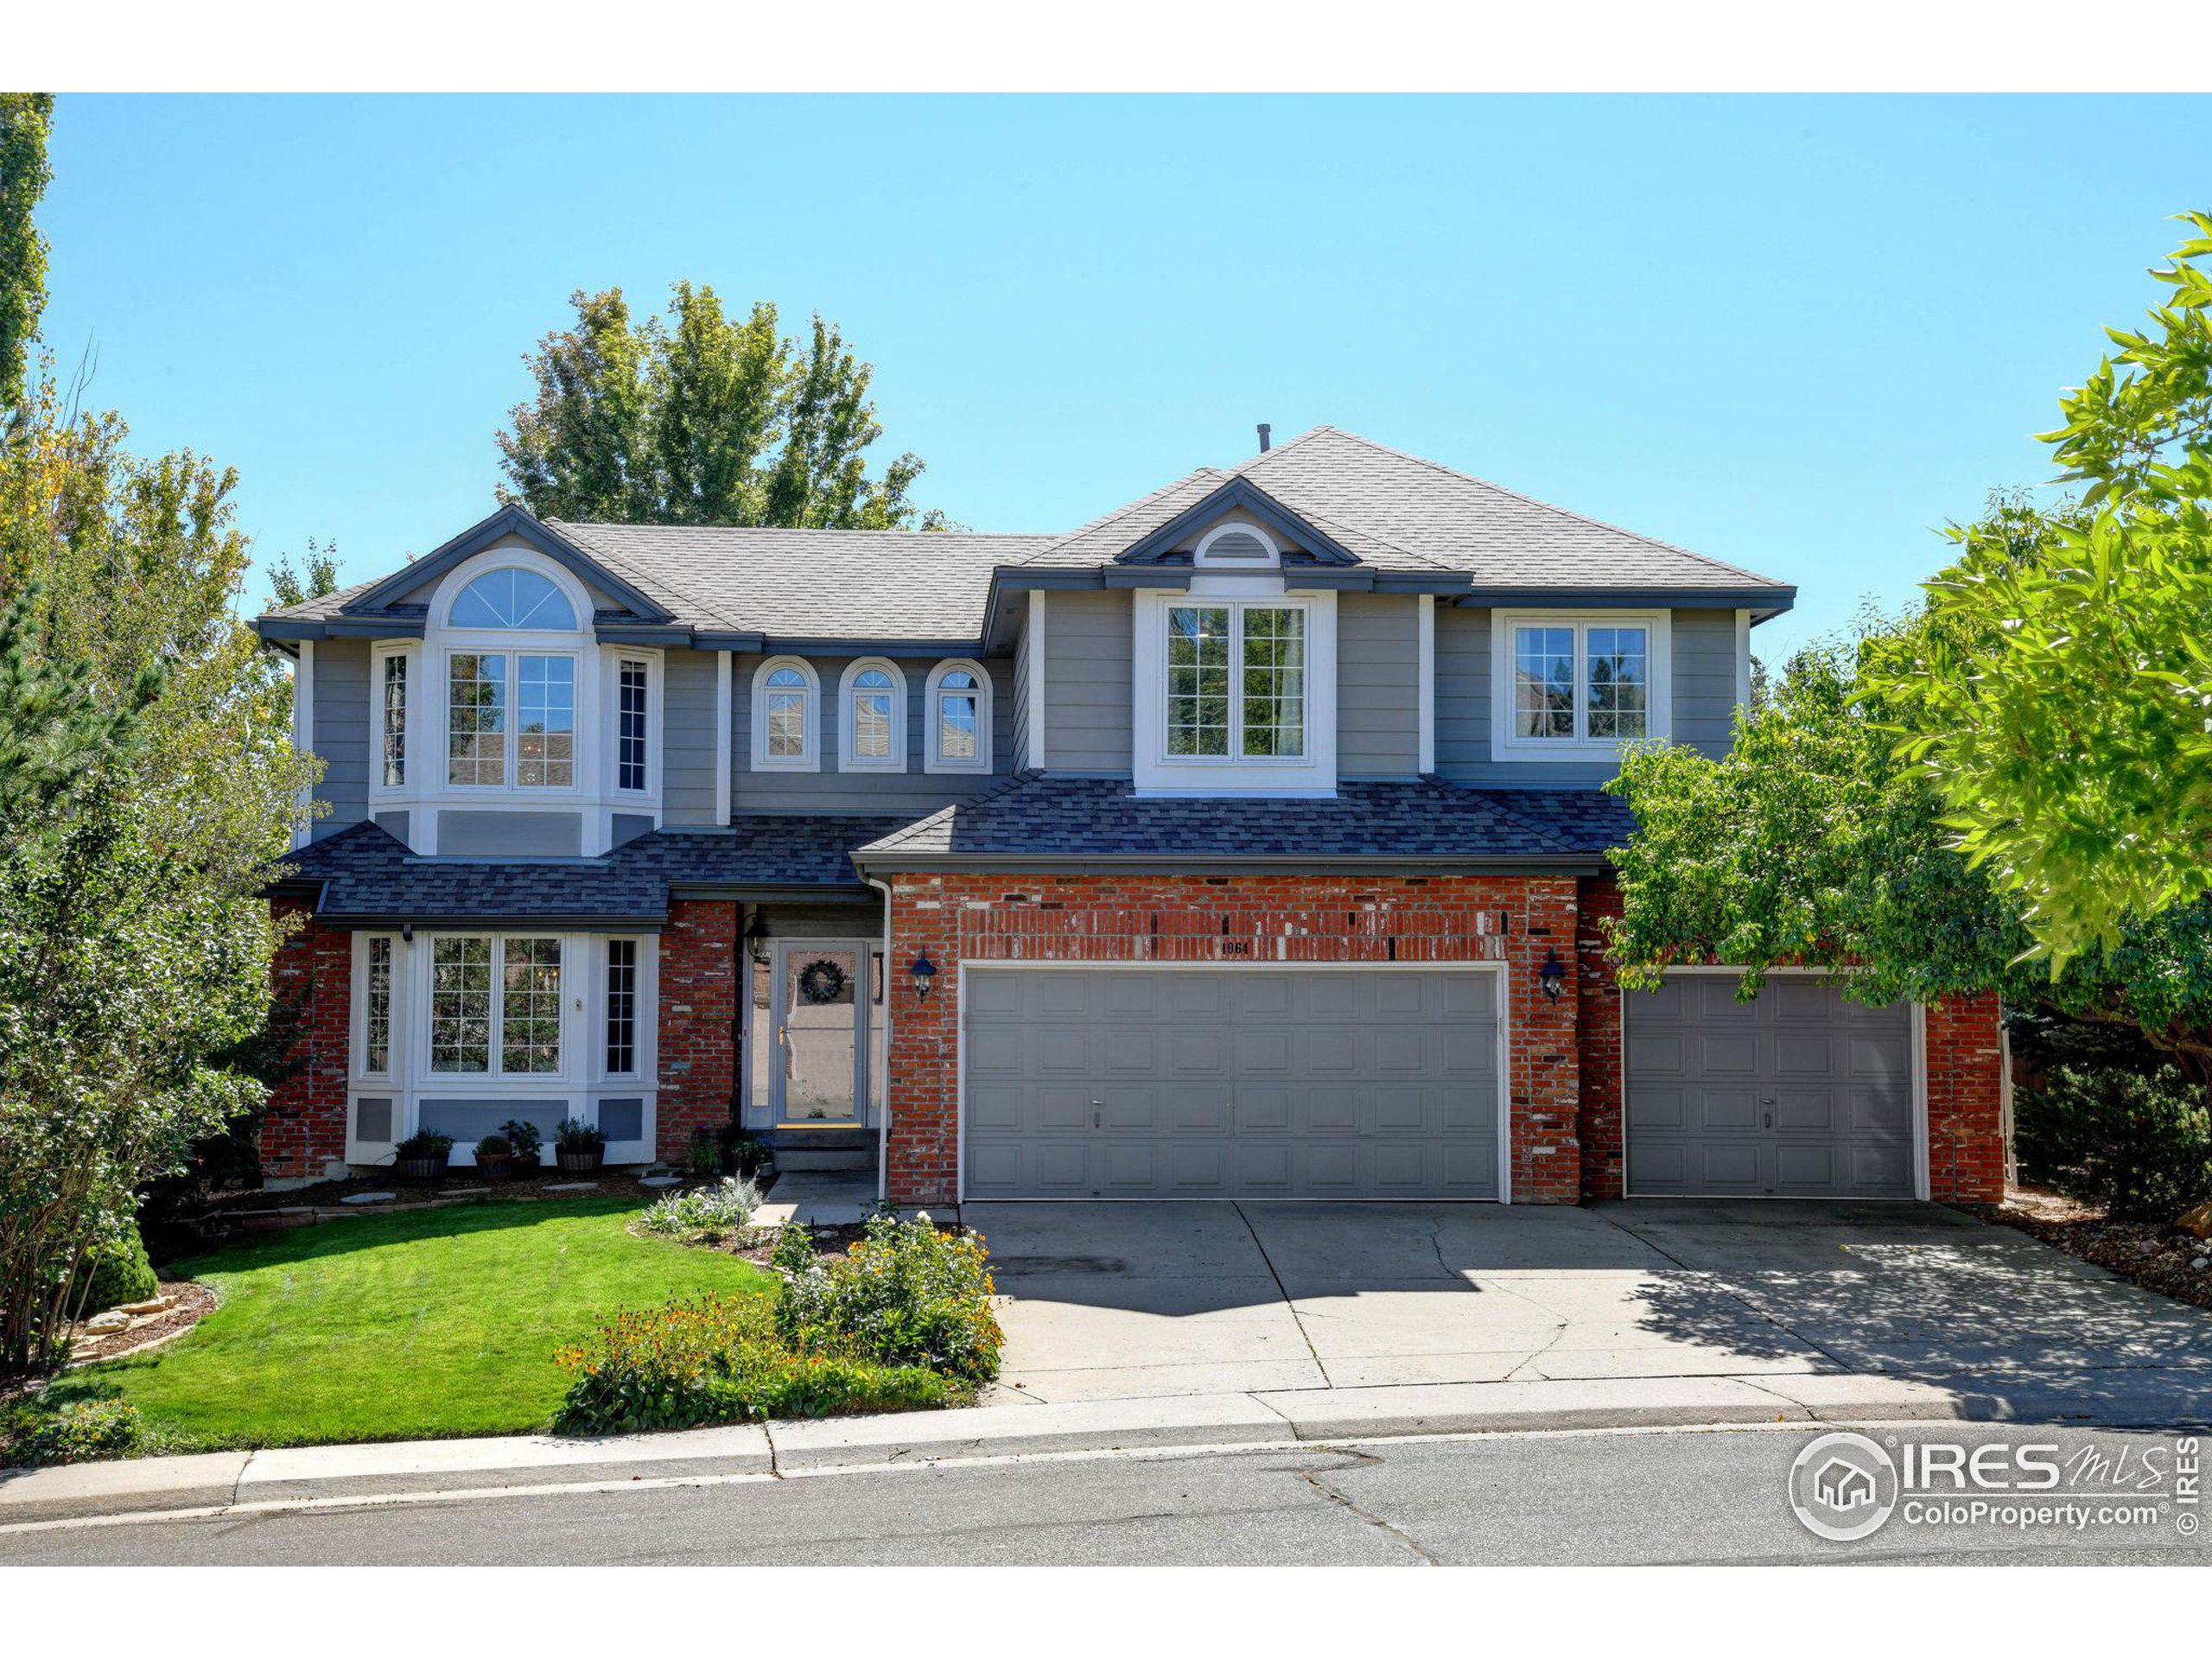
933, 759
411, 655
500, 938
395, 1037
648, 998
1155, 773
611, 717
1505, 745
811, 758
303, 738
1202, 556
846, 725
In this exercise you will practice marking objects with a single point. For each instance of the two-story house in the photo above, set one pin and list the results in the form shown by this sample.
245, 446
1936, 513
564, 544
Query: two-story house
1245, 841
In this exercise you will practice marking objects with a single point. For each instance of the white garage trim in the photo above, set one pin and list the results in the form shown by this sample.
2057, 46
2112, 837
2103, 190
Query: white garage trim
1921, 1150
1504, 1071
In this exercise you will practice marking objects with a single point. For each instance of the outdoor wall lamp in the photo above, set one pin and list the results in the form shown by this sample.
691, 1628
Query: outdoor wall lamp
1552, 975
756, 938
923, 974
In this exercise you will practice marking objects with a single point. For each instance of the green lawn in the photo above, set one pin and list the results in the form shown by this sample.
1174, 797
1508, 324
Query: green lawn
437, 1322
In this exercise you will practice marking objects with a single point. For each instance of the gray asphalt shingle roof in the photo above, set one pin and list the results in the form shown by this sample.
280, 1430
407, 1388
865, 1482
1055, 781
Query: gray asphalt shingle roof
1100, 818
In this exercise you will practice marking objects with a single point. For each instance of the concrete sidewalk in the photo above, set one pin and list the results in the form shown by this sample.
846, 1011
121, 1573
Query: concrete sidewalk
249, 1482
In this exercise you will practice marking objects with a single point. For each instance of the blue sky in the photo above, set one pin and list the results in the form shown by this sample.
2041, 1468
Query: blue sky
1798, 334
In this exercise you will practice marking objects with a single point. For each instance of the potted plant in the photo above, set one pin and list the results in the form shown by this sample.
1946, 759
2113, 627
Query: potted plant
703, 1158
579, 1146
422, 1155
523, 1138
742, 1151
495, 1158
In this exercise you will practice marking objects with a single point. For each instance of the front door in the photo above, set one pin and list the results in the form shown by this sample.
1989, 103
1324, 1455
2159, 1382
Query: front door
819, 1001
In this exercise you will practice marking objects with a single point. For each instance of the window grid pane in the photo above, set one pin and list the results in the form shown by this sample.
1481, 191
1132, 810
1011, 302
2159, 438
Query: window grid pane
872, 698
621, 1007
630, 727
530, 1012
511, 599
376, 1034
1543, 683
545, 729
956, 724
787, 721
395, 722
1620, 682
1198, 680
461, 1005
476, 719
1275, 681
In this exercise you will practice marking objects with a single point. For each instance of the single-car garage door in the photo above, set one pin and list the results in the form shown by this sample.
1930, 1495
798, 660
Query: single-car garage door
1150, 1083
1799, 1093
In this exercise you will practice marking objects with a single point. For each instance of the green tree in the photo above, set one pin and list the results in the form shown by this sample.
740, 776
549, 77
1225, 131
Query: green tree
316, 576
25, 119
2059, 700
701, 420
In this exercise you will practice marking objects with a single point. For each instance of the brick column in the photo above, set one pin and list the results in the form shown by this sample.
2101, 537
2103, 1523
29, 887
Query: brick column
1604, 1149
1966, 1130
922, 1092
303, 1127
698, 1003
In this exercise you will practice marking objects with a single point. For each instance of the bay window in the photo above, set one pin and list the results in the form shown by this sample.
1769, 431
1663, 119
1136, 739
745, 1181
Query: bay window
621, 1008
376, 1008
1579, 686
629, 724
485, 746
495, 1005
393, 707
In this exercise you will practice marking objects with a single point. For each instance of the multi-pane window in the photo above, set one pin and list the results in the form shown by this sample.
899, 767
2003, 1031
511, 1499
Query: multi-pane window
1237, 681
476, 718
529, 1007
630, 726
783, 702
1198, 679
511, 599
873, 700
959, 717
545, 722
395, 720
1274, 723
495, 1000
376, 1025
461, 1005
621, 1007
1587, 682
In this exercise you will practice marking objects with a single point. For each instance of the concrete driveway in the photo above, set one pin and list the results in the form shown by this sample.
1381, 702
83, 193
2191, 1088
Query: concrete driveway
1108, 1301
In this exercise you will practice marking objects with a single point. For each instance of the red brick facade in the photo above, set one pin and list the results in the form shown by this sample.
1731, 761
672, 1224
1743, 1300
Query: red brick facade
1604, 1144
1966, 1109
1518, 920
303, 1128
698, 1011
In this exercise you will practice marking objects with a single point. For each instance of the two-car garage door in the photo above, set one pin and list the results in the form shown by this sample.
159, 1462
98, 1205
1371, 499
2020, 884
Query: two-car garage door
1200, 1083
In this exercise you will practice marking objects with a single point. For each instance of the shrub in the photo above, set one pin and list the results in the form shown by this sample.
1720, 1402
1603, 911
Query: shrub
905, 1294
39, 1431
713, 1361
2141, 1146
495, 1146
576, 1135
703, 1157
424, 1143
522, 1136
120, 1273
707, 1210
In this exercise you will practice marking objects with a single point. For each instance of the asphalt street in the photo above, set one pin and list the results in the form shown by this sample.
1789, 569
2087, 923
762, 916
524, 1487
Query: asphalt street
1706, 1496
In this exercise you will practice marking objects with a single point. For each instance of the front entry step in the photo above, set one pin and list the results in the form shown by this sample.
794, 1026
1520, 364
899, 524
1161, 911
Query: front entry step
801, 1146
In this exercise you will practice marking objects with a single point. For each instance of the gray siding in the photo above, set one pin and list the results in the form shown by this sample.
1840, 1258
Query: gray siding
1087, 710
340, 692
1703, 688
524, 835
1705, 680
1018, 729
688, 738
1378, 685
913, 791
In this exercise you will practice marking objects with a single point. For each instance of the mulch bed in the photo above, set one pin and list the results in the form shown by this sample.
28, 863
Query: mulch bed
2158, 1255
195, 1302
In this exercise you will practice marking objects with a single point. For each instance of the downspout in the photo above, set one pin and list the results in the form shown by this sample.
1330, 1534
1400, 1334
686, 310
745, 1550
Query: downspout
883, 1120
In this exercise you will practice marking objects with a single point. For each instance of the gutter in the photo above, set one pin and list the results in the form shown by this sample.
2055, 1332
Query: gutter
1281, 864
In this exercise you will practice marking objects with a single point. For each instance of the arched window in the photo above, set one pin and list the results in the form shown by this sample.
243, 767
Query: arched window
512, 599
957, 717
872, 729
784, 718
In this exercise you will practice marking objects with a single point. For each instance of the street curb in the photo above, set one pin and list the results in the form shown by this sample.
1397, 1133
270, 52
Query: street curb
220, 1481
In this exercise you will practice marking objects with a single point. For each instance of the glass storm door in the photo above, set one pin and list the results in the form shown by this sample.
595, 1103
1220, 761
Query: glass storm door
820, 991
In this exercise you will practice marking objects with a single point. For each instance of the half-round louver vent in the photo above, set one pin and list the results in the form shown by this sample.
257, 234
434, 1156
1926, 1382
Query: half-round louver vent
1235, 544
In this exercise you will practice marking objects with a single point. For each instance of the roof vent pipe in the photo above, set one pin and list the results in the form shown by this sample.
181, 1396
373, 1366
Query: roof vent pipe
1264, 429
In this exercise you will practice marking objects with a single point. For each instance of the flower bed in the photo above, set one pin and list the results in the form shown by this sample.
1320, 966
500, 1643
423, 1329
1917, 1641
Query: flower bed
902, 1321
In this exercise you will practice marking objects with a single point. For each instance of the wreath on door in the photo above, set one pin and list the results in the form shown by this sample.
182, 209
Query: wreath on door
821, 981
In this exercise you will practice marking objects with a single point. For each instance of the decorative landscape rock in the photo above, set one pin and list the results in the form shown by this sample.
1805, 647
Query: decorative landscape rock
102, 1325
369, 1198
657, 1180
572, 1187
151, 1305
